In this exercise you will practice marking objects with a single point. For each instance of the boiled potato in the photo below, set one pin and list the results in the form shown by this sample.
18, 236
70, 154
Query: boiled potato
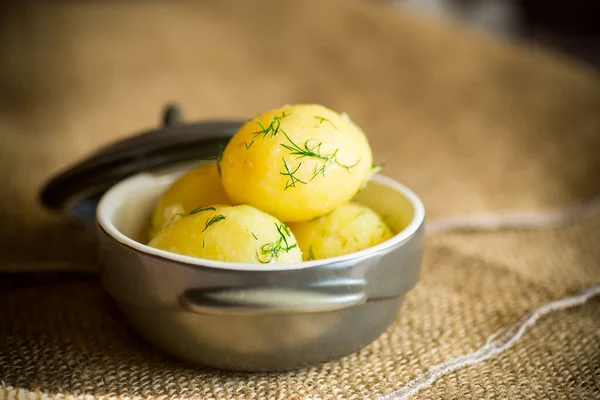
349, 228
199, 187
230, 233
296, 162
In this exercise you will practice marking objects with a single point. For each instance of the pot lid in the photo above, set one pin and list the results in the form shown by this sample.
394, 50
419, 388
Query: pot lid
74, 193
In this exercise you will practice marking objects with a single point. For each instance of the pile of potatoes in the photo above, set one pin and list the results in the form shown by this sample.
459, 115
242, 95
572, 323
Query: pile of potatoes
279, 193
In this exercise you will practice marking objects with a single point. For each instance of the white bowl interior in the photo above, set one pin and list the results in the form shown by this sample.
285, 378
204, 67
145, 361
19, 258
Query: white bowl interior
124, 212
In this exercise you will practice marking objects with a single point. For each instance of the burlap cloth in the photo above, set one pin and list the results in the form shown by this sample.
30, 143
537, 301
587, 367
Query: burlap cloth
471, 123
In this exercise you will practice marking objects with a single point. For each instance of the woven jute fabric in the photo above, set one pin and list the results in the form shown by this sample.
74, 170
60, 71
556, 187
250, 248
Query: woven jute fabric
471, 123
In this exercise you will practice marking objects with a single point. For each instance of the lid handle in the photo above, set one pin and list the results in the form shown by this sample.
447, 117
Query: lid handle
172, 115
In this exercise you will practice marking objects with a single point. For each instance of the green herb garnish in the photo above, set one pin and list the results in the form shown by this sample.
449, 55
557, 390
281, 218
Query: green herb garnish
321, 119
313, 152
272, 128
292, 179
200, 209
213, 220
311, 255
254, 235
220, 158
203, 243
270, 251
376, 167
359, 214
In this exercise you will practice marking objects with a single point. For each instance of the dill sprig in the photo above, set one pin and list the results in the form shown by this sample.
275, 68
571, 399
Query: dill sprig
200, 209
375, 168
362, 212
213, 220
292, 179
220, 158
273, 127
311, 255
323, 119
312, 152
270, 251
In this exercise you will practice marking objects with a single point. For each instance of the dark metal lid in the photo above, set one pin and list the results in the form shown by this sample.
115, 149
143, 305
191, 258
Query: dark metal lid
75, 192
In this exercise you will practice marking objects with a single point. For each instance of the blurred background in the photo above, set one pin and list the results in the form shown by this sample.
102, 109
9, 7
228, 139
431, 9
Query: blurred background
571, 27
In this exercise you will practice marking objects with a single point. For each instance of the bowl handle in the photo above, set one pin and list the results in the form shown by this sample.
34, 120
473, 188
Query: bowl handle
324, 297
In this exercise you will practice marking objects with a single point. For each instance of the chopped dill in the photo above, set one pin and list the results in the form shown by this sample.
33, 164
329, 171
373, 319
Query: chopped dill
248, 145
311, 255
213, 220
359, 214
377, 167
270, 251
254, 235
200, 209
292, 179
203, 243
220, 158
321, 119
272, 128
307, 151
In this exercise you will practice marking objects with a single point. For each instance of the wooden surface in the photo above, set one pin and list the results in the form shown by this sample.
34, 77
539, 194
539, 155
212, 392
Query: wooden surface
470, 123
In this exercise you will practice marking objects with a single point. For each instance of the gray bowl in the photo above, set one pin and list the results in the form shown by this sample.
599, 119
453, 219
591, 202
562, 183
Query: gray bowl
249, 317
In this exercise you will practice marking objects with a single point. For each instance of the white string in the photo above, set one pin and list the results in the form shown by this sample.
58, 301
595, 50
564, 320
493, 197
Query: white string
495, 344
503, 338
513, 219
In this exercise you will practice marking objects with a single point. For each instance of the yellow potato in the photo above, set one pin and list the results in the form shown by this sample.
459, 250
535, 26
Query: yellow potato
230, 233
199, 187
296, 162
349, 228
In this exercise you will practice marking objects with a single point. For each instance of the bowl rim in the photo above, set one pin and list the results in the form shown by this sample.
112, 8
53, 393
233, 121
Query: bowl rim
103, 220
